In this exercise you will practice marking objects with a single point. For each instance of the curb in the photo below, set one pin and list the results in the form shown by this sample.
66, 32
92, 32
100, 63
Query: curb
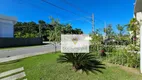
7, 59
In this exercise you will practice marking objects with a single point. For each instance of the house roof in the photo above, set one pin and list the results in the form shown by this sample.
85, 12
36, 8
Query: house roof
138, 6
9, 18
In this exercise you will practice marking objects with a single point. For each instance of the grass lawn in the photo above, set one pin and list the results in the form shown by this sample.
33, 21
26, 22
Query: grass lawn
45, 67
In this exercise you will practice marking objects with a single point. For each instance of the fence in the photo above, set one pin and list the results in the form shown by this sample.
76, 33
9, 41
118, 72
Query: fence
15, 42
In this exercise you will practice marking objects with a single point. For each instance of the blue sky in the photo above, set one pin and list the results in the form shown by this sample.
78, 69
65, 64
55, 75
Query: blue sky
112, 11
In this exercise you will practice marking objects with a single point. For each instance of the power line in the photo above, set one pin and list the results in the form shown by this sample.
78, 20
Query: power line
62, 8
79, 9
40, 8
58, 7
35, 6
43, 9
78, 19
93, 20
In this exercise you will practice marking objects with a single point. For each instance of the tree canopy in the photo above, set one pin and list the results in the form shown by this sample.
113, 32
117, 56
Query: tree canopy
43, 29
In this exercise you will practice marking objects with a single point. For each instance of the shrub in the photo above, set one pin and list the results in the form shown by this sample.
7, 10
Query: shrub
82, 61
109, 48
94, 48
124, 57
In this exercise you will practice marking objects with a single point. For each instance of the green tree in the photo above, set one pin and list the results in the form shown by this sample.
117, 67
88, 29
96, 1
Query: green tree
77, 31
26, 28
18, 35
109, 31
68, 29
134, 27
55, 34
121, 31
42, 29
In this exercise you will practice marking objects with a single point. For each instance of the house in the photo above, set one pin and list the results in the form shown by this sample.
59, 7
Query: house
7, 34
138, 11
138, 16
7, 26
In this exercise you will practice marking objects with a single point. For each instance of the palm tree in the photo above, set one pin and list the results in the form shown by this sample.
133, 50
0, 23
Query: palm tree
121, 29
82, 61
133, 26
109, 31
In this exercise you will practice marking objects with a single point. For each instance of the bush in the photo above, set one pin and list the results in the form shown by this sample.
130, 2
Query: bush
82, 61
109, 48
94, 48
125, 58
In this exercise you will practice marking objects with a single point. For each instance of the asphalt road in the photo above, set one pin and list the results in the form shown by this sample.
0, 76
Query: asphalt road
27, 50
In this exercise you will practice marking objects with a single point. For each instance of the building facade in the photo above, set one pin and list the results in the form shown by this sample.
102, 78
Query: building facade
7, 26
138, 16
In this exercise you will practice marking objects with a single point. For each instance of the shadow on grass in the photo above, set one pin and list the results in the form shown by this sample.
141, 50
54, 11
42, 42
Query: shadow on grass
11, 62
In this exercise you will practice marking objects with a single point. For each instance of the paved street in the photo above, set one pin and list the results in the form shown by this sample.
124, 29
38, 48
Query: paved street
27, 50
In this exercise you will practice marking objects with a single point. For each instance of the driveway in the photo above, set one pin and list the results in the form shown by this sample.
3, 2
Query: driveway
27, 50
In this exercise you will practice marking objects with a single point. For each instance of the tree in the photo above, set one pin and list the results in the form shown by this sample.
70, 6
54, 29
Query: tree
109, 31
82, 61
133, 26
42, 29
55, 34
121, 29
18, 34
77, 31
96, 38
26, 29
68, 29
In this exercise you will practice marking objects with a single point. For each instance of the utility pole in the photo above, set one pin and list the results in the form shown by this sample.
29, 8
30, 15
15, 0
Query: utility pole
93, 24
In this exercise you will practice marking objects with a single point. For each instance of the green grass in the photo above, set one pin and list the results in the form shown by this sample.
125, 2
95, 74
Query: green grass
45, 67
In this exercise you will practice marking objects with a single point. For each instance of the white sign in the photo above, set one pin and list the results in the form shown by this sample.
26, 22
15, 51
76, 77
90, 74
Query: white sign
75, 43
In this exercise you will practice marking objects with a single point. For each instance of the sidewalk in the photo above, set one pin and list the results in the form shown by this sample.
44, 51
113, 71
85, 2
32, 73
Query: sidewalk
19, 53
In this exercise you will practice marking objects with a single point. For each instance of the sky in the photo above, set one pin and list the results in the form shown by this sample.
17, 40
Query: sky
78, 15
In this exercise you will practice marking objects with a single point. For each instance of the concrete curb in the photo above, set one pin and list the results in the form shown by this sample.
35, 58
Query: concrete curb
22, 56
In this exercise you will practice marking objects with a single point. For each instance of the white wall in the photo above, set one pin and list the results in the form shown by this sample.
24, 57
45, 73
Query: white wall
6, 28
139, 18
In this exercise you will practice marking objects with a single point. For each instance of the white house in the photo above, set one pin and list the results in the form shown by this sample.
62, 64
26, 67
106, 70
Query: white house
138, 16
7, 26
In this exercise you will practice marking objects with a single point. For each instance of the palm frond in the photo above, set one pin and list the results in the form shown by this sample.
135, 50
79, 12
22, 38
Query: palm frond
82, 61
